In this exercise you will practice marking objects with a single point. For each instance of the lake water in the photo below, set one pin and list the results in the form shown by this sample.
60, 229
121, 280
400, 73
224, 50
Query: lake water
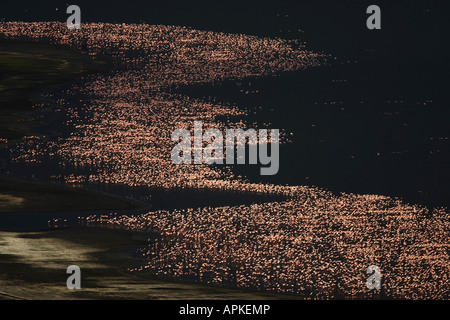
374, 121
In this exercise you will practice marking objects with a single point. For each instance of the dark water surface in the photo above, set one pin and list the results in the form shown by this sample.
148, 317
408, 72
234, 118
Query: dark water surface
376, 120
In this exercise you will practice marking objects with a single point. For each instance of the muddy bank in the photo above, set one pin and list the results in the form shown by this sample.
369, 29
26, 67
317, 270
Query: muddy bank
33, 266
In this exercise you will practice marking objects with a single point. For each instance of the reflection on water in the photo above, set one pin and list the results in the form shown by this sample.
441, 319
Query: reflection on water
357, 134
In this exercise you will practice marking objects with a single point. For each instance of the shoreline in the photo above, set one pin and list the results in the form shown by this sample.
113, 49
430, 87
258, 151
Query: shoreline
102, 256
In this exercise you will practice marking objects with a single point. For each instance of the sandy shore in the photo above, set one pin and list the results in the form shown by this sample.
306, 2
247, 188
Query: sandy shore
33, 266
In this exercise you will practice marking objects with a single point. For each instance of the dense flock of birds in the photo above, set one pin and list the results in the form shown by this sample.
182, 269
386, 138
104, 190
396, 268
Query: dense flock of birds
313, 243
